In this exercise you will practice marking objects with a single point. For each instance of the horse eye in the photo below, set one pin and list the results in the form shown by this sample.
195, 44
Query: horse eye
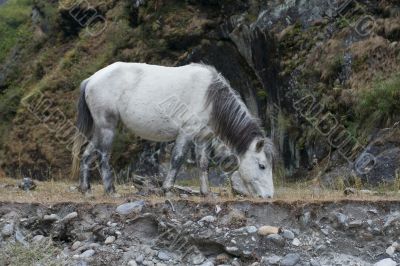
261, 166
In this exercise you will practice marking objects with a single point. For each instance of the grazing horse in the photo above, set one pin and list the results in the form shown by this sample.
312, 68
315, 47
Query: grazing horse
162, 104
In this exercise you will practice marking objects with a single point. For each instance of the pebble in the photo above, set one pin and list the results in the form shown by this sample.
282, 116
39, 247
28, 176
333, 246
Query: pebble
8, 230
87, 254
109, 240
325, 231
76, 245
267, 230
208, 219
396, 245
341, 218
296, 242
251, 229
314, 262
288, 234
140, 258
207, 263
198, 259
162, 255
51, 218
290, 259
231, 249
305, 218
70, 216
276, 239
222, 258
271, 260
390, 251
130, 207
386, 262
391, 219
20, 238
38, 239
355, 223
27, 184
132, 263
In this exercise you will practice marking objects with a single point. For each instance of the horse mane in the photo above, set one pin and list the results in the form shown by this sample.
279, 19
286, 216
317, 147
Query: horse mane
229, 118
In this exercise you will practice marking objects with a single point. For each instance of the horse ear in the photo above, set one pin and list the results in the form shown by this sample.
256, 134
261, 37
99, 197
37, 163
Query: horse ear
260, 145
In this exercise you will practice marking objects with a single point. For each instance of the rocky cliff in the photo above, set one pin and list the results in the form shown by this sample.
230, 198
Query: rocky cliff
322, 76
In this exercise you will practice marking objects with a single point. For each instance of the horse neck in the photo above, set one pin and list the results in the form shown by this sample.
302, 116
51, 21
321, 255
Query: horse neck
230, 119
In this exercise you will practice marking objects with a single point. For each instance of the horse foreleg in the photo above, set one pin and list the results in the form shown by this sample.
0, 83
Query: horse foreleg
178, 155
202, 162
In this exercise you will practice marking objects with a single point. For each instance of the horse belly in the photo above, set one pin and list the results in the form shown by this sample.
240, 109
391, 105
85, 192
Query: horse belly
149, 123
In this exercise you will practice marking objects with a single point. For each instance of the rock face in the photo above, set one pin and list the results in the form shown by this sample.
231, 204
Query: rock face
270, 51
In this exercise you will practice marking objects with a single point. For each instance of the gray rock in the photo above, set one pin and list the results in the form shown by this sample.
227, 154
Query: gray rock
271, 260
355, 224
296, 242
392, 218
38, 239
341, 218
386, 262
232, 250
51, 218
325, 231
290, 259
276, 239
207, 263
87, 254
130, 207
76, 245
109, 240
132, 263
8, 230
197, 259
27, 184
208, 219
251, 229
390, 251
288, 234
140, 258
305, 218
163, 255
314, 262
20, 238
70, 216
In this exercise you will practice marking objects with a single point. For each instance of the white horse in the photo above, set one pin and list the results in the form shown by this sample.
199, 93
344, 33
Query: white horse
169, 103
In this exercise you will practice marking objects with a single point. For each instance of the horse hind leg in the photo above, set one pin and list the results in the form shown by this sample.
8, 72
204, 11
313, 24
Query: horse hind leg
86, 161
106, 137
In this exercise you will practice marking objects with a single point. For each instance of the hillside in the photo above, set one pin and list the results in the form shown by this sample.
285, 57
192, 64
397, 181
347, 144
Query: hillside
277, 54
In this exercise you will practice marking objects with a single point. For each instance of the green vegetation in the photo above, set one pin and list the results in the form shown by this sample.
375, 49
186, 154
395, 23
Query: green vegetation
14, 16
381, 104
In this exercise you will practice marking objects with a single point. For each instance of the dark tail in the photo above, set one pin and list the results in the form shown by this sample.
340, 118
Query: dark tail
84, 123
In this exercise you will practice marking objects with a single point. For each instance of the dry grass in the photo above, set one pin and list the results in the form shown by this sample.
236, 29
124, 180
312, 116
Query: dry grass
55, 192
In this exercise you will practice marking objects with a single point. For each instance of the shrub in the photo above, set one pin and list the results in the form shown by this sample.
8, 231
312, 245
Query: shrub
381, 104
14, 16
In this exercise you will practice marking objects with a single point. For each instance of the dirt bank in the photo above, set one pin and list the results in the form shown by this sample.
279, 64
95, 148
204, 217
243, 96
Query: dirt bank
186, 232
